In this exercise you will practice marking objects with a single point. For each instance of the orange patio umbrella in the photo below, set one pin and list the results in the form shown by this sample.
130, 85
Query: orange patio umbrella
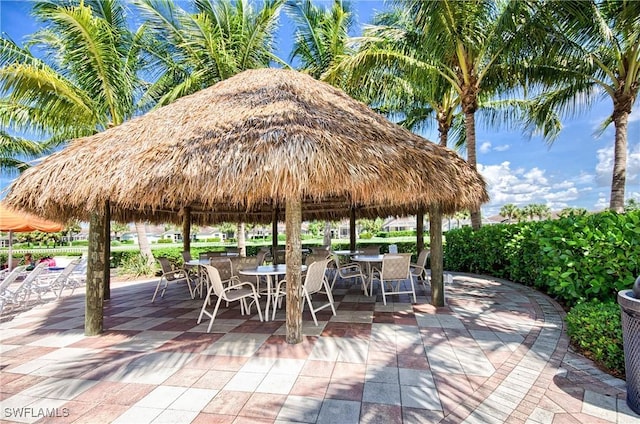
12, 221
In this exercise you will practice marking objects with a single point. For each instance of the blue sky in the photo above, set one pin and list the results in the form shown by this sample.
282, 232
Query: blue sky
574, 171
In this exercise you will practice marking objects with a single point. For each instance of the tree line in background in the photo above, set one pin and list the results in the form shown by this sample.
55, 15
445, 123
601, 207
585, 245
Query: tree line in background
520, 64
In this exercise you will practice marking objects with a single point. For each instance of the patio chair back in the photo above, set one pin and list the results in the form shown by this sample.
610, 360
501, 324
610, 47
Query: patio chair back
422, 258
216, 281
167, 270
395, 270
315, 277
261, 257
224, 267
186, 256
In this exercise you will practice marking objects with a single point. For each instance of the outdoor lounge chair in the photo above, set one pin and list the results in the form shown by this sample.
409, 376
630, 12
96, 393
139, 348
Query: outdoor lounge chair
394, 272
20, 294
237, 291
315, 281
56, 282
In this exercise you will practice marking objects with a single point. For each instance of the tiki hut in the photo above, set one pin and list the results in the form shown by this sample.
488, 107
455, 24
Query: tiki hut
248, 149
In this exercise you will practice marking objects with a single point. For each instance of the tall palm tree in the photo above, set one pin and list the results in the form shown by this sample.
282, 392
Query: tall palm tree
596, 51
477, 46
84, 81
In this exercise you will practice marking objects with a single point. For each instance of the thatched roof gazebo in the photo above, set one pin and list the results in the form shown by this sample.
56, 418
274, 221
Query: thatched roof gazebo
260, 142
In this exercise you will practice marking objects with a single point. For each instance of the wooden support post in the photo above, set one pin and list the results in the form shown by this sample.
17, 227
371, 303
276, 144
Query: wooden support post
293, 218
420, 230
435, 232
186, 229
94, 313
352, 229
107, 252
274, 234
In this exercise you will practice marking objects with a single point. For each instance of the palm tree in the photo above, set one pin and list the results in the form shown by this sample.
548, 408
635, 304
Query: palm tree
542, 211
477, 46
16, 151
528, 211
321, 36
194, 50
85, 82
597, 51
509, 211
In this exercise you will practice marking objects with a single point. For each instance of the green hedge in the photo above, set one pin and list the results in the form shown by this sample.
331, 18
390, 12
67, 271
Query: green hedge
595, 329
575, 259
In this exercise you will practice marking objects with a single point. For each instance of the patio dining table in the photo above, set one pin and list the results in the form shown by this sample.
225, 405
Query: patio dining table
268, 271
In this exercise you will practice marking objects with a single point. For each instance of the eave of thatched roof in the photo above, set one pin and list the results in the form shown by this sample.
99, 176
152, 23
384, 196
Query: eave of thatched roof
233, 151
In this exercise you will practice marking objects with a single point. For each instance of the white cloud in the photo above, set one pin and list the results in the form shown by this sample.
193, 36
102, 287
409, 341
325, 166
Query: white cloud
602, 203
586, 179
485, 147
525, 186
635, 115
604, 167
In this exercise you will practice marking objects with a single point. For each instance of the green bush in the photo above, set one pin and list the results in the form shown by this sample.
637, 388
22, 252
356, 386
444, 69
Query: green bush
575, 259
135, 265
165, 241
595, 330
366, 236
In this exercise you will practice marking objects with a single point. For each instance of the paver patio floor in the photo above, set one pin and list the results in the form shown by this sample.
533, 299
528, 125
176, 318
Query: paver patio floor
498, 352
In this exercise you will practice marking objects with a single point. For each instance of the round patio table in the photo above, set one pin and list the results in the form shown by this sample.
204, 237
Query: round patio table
268, 271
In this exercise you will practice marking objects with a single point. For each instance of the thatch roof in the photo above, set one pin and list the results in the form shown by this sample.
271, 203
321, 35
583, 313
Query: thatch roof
230, 151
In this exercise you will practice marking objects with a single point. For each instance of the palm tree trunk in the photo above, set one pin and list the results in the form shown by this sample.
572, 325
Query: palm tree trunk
326, 240
242, 243
470, 128
143, 243
619, 178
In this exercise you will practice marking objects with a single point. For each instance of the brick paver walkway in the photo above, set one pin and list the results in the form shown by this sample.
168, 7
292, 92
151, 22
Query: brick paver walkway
498, 352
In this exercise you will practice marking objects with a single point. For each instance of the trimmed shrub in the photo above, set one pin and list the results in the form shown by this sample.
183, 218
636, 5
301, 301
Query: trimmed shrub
595, 330
575, 259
